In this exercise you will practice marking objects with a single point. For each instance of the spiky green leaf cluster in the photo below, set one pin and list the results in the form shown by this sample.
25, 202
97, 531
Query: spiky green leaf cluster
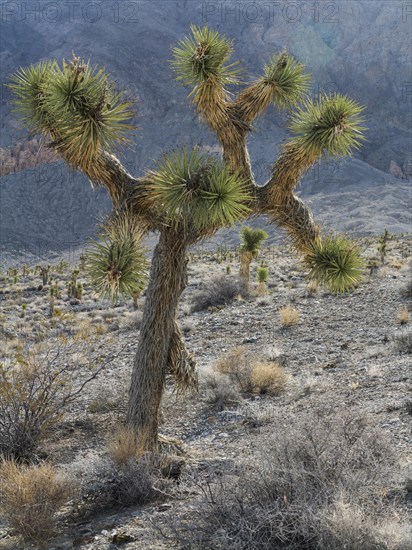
262, 274
29, 87
203, 56
116, 263
335, 261
76, 105
332, 125
286, 78
197, 190
252, 240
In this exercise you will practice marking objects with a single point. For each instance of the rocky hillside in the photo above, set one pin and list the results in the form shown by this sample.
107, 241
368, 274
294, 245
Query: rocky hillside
358, 48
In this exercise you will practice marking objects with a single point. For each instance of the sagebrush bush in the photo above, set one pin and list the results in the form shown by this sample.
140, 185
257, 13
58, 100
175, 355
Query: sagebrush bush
316, 484
220, 392
36, 386
30, 499
103, 483
218, 292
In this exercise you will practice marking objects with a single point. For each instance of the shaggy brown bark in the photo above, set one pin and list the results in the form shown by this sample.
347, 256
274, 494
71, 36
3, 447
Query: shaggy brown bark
168, 278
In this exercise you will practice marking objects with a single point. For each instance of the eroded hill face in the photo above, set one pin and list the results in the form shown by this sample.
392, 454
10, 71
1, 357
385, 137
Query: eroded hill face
359, 48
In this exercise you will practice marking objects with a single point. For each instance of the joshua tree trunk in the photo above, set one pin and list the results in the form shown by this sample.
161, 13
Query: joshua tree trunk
168, 278
244, 273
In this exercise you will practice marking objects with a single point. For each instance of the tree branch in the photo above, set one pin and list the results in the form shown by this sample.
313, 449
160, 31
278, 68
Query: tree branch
182, 364
126, 191
277, 199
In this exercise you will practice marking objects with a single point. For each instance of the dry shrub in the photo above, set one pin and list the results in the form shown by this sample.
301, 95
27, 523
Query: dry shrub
268, 378
104, 484
237, 364
318, 484
31, 497
347, 523
219, 291
125, 476
250, 375
122, 445
220, 392
35, 388
289, 316
403, 315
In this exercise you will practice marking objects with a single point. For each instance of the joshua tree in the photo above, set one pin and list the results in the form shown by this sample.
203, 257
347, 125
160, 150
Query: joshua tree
251, 243
382, 242
262, 276
189, 196
44, 271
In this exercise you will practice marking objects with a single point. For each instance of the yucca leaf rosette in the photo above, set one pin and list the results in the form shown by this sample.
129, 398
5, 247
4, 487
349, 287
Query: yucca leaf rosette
115, 262
252, 240
332, 125
203, 56
335, 262
29, 87
196, 190
283, 84
75, 105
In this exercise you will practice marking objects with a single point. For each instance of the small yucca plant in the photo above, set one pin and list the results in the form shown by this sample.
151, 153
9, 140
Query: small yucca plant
251, 243
252, 240
335, 261
262, 276
116, 263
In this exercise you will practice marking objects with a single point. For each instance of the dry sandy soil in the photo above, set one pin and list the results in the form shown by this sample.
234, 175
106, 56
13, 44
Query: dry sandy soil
346, 354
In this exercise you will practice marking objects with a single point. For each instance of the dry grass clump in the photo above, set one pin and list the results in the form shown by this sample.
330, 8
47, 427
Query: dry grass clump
31, 497
289, 316
312, 288
219, 291
403, 315
251, 375
268, 378
319, 483
122, 445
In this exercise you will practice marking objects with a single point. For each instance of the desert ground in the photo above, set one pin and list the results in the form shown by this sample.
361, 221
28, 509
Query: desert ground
302, 421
